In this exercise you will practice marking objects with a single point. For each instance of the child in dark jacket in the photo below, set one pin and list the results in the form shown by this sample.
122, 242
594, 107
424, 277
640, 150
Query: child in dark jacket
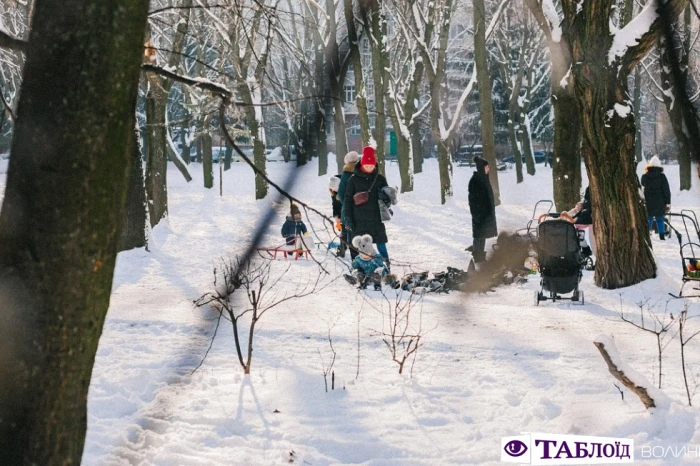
293, 226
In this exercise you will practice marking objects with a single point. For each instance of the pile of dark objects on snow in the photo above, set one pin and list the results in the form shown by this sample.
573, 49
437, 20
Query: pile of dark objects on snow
505, 266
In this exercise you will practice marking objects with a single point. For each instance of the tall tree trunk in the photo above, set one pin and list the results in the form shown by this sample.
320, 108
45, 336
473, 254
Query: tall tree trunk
61, 219
566, 157
380, 63
671, 95
134, 230
638, 141
485, 99
320, 103
207, 156
336, 77
360, 91
515, 145
526, 143
619, 215
186, 149
228, 156
417, 148
404, 152
259, 156
566, 160
156, 156
445, 169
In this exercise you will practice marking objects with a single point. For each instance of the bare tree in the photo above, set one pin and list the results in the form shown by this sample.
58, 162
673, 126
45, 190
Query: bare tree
602, 62
256, 281
402, 330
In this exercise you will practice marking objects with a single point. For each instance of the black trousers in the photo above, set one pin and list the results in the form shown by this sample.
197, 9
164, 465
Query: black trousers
478, 249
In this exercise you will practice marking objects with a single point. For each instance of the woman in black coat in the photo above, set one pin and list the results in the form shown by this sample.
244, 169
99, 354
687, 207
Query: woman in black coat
366, 219
482, 208
657, 195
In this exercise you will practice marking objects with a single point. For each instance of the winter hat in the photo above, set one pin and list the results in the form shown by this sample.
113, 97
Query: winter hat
480, 163
294, 211
369, 156
351, 157
364, 245
334, 183
655, 162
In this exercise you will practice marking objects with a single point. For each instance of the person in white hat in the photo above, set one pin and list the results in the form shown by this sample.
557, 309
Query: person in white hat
657, 195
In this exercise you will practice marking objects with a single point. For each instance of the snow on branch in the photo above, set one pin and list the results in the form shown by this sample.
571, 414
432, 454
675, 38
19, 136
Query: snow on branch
651, 396
202, 83
632, 33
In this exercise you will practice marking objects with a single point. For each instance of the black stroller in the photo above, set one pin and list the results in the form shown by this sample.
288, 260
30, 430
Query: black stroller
560, 258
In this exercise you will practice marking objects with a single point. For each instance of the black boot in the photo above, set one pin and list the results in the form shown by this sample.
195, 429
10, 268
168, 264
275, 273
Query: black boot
662, 237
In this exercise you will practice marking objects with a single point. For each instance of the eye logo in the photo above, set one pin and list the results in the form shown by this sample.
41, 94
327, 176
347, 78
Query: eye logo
515, 448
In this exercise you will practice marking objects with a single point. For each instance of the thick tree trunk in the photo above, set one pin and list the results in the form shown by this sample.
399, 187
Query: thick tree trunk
186, 148
259, 156
228, 157
445, 168
404, 150
207, 156
619, 215
638, 142
526, 144
360, 91
514, 146
320, 102
675, 109
417, 148
380, 63
336, 78
61, 219
566, 160
485, 100
156, 157
134, 230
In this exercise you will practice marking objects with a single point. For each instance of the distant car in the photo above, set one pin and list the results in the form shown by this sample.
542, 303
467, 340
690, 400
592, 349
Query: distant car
539, 155
465, 154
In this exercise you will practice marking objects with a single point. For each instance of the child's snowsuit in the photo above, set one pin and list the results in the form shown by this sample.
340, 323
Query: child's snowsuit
291, 229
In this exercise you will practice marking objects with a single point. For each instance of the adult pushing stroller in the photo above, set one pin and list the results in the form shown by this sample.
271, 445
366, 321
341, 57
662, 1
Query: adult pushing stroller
560, 259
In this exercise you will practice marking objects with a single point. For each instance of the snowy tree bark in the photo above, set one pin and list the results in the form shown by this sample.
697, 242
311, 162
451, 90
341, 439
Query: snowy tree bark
336, 69
600, 71
485, 100
566, 172
380, 63
134, 229
207, 156
360, 91
245, 33
671, 94
156, 156
61, 219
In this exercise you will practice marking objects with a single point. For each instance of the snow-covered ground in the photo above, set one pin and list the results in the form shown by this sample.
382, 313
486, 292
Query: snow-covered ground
490, 366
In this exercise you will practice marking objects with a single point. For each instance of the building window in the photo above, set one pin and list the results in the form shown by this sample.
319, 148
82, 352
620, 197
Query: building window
355, 127
349, 93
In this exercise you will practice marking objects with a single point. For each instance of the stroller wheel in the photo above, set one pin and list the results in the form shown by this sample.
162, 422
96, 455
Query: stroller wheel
537, 298
575, 296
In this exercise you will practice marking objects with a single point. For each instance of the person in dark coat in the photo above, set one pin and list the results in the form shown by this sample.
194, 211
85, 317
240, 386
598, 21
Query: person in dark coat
293, 226
351, 159
366, 219
584, 214
482, 208
657, 195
